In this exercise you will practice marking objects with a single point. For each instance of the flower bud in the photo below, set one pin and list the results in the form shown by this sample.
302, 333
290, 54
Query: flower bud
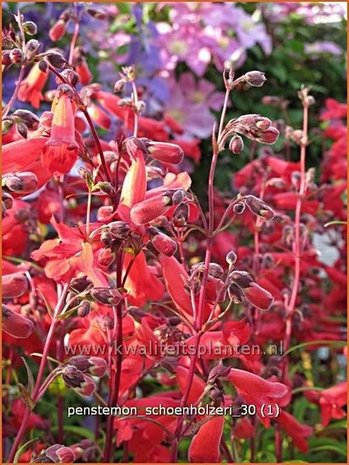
23, 183
16, 55
80, 284
7, 200
26, 117
95, 366
180, 215
84, 308
104, 212
30, 28
231, 258
165, 152
119, 86
97, 14
15, 324
6, 58
255, 78
14, 285
269, 136
57, 31
263, 123
150, 209
236, 144
106, 257
7, 124
258, 207
106, 296
31, 48
56, 59
258, 296
82, 383
162, 243
239, 208
215, 270
241, 278
119, 229
60, 454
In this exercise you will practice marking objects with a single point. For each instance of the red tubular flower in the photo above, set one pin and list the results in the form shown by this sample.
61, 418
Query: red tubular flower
24, 155
258, 297
134, 185
150, 209
165, 152
257, 391
205, 445
244, 429
30, 89
83, 71
15, 324
332, 401
61, 150
197, 386
142, 285
298, 432
57, 31
14, 285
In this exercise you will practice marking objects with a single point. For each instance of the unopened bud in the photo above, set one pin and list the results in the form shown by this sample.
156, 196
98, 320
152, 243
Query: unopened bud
30, 28
23, 183
98, 14
16, 55
27, 117
56, 59
119, 86
106, 296
60, 454
242, 278
31, 48
239, 208
258, 207
162, 243
150, 209
263, 123
6, 58
119, 229
106, 257
236, 144
84, 308
231, 258
165, 152
180, 215
80, 284
258, 296
269, 136
215, 270
255, 78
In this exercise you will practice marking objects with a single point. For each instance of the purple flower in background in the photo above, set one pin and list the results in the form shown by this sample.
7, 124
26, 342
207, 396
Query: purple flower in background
317, 48
189, 104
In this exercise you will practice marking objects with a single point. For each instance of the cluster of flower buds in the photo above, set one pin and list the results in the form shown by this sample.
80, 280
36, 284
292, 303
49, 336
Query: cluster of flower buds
161, 242
57, 453
150, 209
78, 373
23, 120
255, 205
106, 296
242, 286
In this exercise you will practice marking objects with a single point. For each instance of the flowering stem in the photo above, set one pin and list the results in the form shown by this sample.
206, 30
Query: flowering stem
73, 40
135, 103
297, 230
36, 390
15, 92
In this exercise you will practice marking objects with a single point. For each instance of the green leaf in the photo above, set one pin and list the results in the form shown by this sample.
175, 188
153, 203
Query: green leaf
338, 449
78, 430
22, 449
30, 385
